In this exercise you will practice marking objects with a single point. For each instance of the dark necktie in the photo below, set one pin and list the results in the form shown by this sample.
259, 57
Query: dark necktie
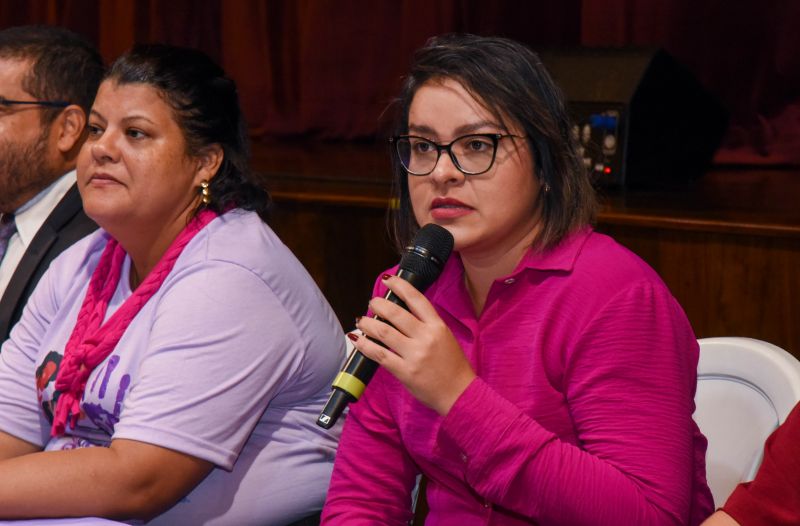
7, 229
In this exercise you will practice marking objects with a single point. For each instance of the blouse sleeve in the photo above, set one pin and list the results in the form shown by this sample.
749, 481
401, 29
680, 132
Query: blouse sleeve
373, 475
630, 380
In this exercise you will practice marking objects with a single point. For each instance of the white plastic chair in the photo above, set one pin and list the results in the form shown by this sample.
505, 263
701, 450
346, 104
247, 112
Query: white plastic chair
745, 389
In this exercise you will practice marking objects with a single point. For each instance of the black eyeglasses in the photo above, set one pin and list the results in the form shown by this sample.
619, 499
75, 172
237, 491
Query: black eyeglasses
472, 154
47, 103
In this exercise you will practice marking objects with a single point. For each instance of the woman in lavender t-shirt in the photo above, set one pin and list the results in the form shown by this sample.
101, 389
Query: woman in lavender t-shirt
183, 336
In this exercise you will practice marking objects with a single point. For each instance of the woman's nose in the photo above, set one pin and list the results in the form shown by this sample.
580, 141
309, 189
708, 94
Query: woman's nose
446, 172
104, 148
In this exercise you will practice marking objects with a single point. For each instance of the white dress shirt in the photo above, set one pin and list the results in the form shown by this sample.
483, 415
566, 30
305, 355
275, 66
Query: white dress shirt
29, 219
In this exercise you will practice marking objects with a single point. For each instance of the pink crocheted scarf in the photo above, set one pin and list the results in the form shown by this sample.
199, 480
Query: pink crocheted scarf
92, 340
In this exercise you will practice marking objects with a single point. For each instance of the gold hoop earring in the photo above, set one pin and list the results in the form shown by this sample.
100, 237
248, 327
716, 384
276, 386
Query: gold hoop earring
205, 193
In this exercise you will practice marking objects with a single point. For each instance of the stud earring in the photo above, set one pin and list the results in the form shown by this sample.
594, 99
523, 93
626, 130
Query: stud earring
546, 188
205, 193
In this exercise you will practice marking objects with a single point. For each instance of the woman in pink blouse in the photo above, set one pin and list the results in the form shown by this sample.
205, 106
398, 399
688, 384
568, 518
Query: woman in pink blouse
548, 376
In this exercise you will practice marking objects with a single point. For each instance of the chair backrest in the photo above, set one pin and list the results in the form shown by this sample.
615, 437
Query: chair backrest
745, 389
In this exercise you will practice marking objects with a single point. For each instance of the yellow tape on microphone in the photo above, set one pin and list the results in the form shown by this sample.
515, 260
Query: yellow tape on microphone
350, 384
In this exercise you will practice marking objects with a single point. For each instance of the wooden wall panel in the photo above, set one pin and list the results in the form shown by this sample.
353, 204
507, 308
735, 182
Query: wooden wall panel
728, 284
343, 247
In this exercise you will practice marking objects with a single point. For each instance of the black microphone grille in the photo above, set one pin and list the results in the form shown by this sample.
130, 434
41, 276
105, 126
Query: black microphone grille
428, 252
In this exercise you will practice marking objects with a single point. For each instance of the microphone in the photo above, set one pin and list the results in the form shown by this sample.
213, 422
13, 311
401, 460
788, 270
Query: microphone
421, 264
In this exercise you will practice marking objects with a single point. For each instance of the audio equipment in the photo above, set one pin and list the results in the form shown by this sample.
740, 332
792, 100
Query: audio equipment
641, 118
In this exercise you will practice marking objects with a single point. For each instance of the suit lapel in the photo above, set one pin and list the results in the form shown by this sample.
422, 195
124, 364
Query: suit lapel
47, 234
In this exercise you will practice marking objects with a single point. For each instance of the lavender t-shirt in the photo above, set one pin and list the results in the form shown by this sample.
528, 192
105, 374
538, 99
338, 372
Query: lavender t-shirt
230, 361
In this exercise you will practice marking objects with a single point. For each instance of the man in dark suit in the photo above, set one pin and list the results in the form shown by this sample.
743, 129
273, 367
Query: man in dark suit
48, 80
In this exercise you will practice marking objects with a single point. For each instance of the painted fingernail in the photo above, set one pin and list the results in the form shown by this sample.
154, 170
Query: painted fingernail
386, 276
353, 337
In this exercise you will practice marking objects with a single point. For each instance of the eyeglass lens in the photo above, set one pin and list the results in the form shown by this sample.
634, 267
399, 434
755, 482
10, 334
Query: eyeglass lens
471, 154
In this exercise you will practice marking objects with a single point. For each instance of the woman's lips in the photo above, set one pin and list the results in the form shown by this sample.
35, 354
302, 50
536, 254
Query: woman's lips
103, 179
448, 208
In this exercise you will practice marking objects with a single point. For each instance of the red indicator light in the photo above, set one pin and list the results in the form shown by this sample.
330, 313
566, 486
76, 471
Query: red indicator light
607, 170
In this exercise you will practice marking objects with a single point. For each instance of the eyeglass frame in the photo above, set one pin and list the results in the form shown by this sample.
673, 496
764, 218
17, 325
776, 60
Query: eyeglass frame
495, 137
46, 103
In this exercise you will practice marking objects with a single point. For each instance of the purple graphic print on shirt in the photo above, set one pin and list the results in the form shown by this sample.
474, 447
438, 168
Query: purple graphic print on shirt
95, 412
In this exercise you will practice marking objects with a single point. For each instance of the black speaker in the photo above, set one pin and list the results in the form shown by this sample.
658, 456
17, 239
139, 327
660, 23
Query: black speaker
643, 119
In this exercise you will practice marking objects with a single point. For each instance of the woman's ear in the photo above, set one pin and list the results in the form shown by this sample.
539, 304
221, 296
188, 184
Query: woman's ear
69, 127
208, 162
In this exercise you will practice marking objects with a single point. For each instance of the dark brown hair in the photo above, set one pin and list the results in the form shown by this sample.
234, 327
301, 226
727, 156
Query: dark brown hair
511, 82
206, 106
64, 66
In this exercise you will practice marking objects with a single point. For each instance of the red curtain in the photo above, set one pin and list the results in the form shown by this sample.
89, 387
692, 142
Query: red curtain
327, 68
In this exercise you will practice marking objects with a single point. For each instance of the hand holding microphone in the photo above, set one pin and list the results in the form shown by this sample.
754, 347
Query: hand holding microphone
424, 355
420, 265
